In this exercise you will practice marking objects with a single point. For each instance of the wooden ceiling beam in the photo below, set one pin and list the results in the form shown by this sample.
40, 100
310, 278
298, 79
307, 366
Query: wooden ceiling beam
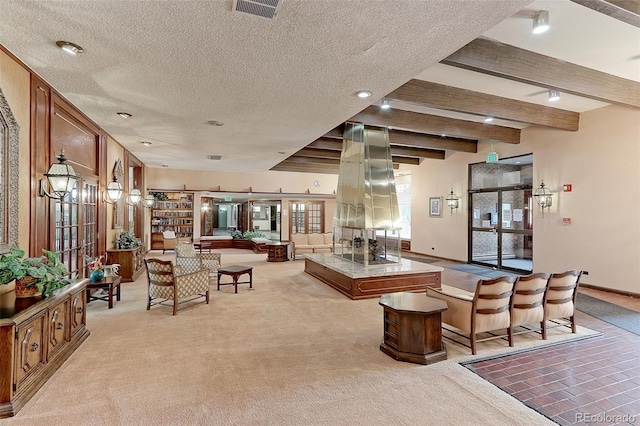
410, 139
449, 98
512, 63
436, 125
623, 10
306, 155
313, 150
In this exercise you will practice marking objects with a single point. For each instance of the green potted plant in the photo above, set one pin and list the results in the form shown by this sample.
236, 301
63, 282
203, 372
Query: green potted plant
33, 275
127, 240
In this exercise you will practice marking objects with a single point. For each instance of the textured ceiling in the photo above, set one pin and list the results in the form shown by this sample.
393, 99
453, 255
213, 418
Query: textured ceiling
279, 85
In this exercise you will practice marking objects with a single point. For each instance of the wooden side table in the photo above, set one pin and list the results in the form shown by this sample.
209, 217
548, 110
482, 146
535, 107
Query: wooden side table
109, 283
277, 252
413, 327
235, 271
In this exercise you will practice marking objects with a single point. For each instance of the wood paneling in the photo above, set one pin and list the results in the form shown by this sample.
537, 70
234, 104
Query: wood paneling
40, 161
505, 61
449, 98
333, 140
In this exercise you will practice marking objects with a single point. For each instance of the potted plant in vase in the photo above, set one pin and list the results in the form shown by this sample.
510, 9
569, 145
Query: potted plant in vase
34, 276
127, 240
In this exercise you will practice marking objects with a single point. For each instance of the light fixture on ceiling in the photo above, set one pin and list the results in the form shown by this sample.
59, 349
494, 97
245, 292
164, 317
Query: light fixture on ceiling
61, 177
554, 95
113, 192
452, 201
385, 104
70, 48
134, 197
146, 143
149, 201
363, 93
488, 119
205, 206
543, 197
124, 115
540, 22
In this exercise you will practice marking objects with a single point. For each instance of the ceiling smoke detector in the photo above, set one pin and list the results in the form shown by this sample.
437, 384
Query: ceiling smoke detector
262, 8
214, 157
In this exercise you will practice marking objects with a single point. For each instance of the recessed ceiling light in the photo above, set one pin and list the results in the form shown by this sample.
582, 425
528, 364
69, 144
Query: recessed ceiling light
214, 123
554, 95
146, 143
385, 105
70, 48
488, 119
363, 93
124, 114
444, 135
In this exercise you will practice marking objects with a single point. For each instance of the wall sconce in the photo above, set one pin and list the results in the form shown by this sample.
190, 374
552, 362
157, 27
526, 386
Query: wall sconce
149, 201
543, 197
114, 192
452, 201
62, 179
205, 206
134, 197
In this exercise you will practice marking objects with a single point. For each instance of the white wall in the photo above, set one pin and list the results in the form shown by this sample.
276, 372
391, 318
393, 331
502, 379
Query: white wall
601, 161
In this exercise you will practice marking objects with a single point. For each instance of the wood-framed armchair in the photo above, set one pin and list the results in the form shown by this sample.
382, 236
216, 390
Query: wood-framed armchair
186, 253
488, 309
527, 303
167, 283
560, 301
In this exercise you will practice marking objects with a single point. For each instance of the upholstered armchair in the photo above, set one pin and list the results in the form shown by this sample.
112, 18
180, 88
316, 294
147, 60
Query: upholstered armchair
560, 301
527, 303
469, 314
186, 254
168, 283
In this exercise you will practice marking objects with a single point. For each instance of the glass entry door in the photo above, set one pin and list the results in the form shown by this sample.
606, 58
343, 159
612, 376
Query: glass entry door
501, 232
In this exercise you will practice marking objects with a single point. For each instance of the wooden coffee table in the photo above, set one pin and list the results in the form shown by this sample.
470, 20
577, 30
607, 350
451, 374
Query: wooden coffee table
235, 271
108, 283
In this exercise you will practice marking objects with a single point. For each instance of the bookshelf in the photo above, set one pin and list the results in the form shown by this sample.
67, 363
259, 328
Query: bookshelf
173, 214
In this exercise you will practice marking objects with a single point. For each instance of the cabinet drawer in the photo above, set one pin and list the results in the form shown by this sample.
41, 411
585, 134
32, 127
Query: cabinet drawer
59, 327
391, 340
391, 327
29, 349
390, 316
78, 311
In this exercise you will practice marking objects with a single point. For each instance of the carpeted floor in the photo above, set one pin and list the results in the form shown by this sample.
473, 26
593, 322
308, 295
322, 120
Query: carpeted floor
292, 351
481, 270
608, 312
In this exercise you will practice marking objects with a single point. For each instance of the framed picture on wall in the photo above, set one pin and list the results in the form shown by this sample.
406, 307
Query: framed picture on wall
435, 206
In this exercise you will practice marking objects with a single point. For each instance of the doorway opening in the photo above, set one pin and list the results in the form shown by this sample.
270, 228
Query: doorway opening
500, 219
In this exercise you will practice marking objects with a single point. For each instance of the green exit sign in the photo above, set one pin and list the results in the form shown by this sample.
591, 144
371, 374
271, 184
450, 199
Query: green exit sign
492, 157
227, 198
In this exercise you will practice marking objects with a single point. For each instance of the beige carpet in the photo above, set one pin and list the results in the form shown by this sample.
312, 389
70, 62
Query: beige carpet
292, 351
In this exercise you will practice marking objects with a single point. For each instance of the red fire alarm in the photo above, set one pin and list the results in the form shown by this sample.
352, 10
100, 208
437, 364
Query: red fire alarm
566, 221
567, 187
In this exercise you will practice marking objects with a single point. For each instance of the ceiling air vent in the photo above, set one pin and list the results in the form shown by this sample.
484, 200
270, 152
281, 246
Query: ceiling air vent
263, 8
214, 157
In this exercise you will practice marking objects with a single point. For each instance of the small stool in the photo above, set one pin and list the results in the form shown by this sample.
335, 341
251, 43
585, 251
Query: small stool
235, 271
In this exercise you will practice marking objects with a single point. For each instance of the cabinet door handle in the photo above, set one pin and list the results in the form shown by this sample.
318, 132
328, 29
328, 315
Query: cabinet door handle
34, 347
79, 309
60, 326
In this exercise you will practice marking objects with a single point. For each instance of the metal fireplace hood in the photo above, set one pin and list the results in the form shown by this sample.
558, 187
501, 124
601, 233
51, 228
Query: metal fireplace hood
366, 195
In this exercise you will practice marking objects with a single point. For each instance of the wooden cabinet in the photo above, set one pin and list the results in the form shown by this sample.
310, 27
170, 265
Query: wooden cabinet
131, 262
174, 214
36, 337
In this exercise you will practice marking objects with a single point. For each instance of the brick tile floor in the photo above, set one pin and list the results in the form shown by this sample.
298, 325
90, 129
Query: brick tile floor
592, 381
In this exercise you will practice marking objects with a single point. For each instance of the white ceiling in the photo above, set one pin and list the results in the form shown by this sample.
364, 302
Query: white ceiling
279, 84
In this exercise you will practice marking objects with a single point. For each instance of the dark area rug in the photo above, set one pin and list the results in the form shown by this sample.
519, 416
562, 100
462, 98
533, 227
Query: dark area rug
481, 270
608, 312
420, 259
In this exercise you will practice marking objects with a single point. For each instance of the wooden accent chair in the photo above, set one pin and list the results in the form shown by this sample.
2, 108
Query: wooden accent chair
560, 301
167, 282
186, 254
488, 309
169, 240
527, 302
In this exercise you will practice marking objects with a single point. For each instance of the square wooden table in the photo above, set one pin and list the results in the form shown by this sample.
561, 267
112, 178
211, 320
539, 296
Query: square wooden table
235, 271
108, 283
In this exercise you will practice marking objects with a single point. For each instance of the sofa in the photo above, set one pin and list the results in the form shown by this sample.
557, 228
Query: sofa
258, 245
311, 243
